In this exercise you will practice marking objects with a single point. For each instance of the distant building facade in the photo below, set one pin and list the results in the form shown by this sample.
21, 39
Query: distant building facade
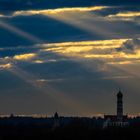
118, 120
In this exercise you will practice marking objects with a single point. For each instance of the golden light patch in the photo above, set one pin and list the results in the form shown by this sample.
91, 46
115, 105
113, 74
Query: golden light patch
106, 43
116, 55
24, 56
38, 61
130, 62
100, 56
58, 11
126, 14
1, 15
105, 50
73, 49
85, 48
6, 66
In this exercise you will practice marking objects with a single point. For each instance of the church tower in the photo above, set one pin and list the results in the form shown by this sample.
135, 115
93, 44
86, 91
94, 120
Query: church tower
119, 106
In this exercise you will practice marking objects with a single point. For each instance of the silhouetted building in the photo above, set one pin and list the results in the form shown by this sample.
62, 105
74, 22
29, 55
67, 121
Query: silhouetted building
56, 120
120, 106
118, 120
56, 115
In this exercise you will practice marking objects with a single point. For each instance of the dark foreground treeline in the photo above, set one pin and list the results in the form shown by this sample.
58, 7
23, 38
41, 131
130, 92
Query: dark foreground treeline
75, 130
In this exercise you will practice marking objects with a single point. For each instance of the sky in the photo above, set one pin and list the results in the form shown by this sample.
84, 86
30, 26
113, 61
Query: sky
69, 56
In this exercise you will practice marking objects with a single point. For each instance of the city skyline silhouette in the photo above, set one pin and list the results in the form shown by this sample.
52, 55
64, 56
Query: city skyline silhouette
69, 69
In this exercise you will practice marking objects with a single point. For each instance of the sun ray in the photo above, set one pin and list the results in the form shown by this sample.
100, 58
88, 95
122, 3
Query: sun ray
20, 32
87, 22
31, 79
54, 95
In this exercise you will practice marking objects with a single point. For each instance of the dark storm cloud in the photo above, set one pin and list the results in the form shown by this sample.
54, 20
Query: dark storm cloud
44, 28
8, 6
130, 46
14, 5
47, 30
113, 10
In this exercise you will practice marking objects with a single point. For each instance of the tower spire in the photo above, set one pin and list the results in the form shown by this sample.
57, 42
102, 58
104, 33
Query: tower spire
119, 105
